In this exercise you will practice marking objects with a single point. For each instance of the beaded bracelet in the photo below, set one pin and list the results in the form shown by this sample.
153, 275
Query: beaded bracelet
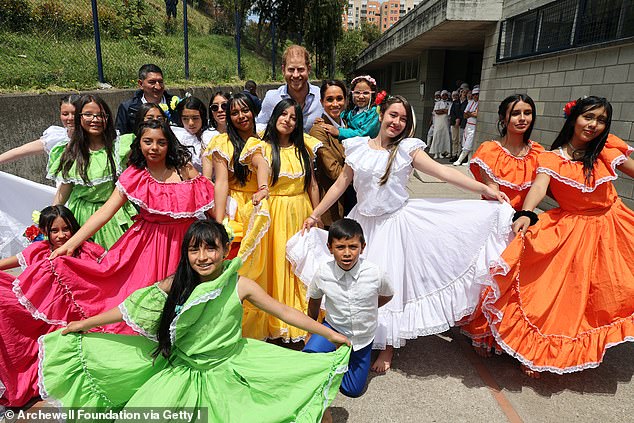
526, 213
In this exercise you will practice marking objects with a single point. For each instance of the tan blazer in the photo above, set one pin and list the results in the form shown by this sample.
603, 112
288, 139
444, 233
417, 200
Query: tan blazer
330, 161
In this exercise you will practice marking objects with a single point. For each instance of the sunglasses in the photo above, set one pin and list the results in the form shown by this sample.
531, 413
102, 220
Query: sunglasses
215, 107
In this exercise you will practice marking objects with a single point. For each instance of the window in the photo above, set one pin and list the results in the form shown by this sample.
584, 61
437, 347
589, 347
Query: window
565, 24
406, 70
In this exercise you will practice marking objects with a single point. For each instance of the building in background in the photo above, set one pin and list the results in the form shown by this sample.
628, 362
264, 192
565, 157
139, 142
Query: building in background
555, 51
382, 13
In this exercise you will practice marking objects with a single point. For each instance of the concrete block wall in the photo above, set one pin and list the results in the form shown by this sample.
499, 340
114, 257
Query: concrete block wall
554, 79
24, 117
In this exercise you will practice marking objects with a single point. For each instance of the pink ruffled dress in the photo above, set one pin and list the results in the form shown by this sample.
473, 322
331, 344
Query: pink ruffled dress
70, 288
19, 331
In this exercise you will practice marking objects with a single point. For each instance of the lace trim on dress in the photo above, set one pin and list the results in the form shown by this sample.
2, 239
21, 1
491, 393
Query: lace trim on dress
182, 215
582, 187
202, 299
247, 153
256, 212
337, 371
480, 163
359, 161
133, 325
57, 177
221, 153
22, 263
494, 315
2, 389
31, 308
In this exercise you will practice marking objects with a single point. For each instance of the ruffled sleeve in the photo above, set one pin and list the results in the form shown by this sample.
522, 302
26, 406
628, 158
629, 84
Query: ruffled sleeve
207, 136
252, 146
571, 172
615, 142
312, 144
53, 136
142, 310
91, 251
221, 146
36, 251
98, 170
179, 200
517, 173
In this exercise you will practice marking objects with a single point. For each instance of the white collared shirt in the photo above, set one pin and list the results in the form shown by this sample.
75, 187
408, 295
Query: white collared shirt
352, 298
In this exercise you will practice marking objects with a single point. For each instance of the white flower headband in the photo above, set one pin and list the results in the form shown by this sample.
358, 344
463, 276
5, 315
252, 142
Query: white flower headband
366, 77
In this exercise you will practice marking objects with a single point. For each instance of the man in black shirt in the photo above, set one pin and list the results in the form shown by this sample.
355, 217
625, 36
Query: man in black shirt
151, 90
455, 118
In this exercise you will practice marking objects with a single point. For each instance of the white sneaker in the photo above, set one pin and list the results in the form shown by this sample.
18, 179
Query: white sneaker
466, 163
456, 163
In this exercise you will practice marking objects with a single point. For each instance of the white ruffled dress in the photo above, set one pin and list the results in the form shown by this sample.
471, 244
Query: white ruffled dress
433, 250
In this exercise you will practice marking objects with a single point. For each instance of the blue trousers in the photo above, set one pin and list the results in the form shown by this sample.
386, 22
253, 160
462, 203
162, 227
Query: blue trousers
355, 378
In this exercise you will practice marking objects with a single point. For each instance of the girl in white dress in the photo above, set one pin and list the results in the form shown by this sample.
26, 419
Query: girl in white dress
433, 250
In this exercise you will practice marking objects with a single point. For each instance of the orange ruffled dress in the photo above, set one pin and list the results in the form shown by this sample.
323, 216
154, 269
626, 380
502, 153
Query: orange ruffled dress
514, 175
564, 293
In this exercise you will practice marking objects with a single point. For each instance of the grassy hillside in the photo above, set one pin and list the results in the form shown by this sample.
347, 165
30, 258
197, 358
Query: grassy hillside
55, 52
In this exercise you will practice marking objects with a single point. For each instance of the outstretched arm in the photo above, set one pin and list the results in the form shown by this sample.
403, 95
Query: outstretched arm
9, 263
62, 194
333, 194
111, 316
252, 292
535, 195
93, 224
25, 150
421, 161
627, 167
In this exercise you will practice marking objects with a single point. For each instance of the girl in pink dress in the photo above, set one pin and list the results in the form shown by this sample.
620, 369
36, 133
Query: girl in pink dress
19, 331
170, 194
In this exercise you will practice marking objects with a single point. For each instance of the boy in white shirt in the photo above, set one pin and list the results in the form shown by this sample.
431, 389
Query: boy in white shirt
354, 290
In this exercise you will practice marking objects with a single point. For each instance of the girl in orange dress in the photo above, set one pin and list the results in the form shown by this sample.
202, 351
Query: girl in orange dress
506, 165
509, 164
563, 291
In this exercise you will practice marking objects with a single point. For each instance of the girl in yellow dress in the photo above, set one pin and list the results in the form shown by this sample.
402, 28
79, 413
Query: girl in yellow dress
287, 191
234, 182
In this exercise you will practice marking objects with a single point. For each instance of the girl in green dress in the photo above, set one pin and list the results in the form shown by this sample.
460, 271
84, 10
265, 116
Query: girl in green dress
87, 166
192, 353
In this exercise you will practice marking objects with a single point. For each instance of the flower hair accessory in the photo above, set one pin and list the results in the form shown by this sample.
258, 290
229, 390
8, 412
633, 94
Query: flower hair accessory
380, 97
568, 108
32, 233
366, 77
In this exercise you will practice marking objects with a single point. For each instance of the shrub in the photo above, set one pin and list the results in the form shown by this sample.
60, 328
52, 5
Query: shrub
15, 15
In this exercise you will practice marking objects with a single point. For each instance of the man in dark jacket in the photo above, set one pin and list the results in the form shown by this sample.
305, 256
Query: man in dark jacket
152, 90
250, 88
455, 117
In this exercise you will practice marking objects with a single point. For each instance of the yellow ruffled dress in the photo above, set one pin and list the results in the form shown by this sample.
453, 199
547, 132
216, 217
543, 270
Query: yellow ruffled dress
249, 224
288, 206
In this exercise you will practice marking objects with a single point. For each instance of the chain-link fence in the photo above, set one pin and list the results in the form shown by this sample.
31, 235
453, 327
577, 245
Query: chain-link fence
52, 44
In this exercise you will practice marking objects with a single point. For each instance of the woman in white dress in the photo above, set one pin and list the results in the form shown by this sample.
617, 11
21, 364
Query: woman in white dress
442, 136
433, 250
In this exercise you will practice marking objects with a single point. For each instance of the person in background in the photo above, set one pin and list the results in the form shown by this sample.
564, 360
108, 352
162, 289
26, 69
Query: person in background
250, 88
295, 67
471, 116
151, 90
455, 117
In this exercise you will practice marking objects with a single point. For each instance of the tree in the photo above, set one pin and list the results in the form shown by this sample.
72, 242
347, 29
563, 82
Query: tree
370, 32
348, 50
323, 30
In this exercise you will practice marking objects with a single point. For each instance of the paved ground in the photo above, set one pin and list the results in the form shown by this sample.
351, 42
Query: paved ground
440, 379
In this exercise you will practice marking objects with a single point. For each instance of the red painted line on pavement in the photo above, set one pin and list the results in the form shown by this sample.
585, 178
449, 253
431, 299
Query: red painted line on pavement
504, 403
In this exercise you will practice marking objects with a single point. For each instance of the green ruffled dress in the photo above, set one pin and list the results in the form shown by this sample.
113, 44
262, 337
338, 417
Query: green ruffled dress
86, 198
213, 369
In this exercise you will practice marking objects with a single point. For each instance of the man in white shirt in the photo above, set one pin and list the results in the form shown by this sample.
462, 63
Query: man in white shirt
295, 67
354, 289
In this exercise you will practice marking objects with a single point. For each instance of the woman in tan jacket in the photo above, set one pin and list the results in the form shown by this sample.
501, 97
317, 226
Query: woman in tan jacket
331, 157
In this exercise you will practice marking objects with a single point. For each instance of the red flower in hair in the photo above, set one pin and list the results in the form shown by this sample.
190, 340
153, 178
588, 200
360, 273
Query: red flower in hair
568, 107
380, 97
32, 233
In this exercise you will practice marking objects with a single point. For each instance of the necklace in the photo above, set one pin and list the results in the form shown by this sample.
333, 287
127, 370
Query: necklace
523, 150
575, 153
163, 176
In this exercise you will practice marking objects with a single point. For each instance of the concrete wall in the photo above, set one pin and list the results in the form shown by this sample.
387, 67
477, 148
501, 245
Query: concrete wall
554, 79
23, 118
